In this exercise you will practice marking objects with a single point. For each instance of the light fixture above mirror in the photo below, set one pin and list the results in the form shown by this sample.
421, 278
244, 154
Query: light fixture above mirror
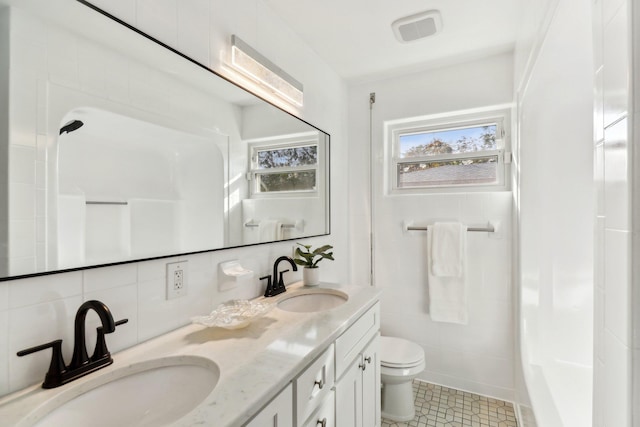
253, 64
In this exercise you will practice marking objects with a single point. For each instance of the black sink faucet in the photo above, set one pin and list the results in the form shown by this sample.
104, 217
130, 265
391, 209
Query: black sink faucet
275, 285
80, 356
81, 364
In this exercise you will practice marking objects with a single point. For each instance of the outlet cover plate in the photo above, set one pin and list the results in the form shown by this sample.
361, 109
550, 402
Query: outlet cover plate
177, 274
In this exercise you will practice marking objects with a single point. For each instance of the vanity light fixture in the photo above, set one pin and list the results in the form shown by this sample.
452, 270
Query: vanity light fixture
250, 62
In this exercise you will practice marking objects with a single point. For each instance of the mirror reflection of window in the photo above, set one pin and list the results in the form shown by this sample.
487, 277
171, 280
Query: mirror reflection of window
290, 167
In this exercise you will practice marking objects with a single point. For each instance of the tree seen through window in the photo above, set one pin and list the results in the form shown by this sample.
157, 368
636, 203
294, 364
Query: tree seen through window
452, 141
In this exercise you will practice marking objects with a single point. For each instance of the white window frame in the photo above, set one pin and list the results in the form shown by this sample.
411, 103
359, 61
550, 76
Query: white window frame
288, 141
500, 116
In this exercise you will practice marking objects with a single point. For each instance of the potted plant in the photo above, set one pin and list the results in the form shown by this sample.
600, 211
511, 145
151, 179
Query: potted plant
309, 259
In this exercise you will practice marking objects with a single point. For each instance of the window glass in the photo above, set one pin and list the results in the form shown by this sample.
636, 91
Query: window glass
448, 141
284, 168
448, 172
286, 181
454, 151
287, 157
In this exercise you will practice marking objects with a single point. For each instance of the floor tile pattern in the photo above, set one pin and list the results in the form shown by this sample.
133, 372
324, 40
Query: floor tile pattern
438, 406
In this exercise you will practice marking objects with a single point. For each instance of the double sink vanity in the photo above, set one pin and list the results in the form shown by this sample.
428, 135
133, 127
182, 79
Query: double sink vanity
311, 361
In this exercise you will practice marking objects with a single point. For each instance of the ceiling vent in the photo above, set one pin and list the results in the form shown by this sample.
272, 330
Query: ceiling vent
418, 26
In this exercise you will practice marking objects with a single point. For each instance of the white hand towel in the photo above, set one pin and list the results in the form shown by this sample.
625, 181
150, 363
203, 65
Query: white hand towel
448, 248
270, 230
447, 294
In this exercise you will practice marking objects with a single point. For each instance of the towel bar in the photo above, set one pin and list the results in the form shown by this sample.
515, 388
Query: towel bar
488, 229
97, 202
251, 224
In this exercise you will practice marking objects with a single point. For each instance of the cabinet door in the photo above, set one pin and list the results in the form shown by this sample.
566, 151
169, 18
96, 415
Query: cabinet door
349, 396
324, 416
371, 384
350, 344
278, 413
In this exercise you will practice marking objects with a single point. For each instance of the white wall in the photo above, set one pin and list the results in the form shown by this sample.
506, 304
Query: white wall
554, 172
479, 356
37, 310
617, 344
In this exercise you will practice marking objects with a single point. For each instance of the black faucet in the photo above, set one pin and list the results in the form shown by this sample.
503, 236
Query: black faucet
275, 285
81, 364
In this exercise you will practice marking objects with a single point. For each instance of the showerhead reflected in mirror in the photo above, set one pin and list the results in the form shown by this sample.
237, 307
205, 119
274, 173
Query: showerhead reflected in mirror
71, 126
129, 151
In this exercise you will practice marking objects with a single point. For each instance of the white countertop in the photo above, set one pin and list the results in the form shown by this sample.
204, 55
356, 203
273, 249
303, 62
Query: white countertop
255, 362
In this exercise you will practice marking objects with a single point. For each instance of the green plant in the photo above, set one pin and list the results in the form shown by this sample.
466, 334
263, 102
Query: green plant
310, 259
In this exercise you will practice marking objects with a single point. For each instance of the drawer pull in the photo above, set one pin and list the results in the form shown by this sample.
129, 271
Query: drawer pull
320, 384
368, 359
322, 423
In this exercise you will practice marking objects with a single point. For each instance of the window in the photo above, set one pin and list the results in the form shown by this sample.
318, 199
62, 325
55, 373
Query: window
290, 167
456, 151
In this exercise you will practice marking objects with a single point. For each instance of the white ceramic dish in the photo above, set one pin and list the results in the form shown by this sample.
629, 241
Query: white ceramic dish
235, 314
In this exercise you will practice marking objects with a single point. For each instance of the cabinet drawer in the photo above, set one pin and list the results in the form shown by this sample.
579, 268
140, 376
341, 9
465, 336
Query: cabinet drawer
314, 384
351, 343
324, 416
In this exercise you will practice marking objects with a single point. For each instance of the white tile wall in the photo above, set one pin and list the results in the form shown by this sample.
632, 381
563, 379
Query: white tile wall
44, 289
112, 277
617, 383
555, 214
617, 273
615, 247
616, 176
479, 356
616, 66
37, 310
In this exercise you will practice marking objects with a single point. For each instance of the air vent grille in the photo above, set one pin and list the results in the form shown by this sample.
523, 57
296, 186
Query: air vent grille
417, 26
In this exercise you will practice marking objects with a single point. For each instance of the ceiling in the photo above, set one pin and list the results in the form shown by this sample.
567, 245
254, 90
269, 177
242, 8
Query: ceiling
355, 37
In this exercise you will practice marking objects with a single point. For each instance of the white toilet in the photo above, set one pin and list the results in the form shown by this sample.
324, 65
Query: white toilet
400, 362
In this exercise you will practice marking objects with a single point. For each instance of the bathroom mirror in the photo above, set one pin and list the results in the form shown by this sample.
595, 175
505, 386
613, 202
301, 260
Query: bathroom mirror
118, 148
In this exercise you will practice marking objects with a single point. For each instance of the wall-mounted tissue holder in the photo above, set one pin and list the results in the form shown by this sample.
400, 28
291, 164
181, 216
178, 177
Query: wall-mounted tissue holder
230, 273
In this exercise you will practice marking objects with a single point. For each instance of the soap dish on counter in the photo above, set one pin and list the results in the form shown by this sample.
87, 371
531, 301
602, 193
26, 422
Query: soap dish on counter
235, 314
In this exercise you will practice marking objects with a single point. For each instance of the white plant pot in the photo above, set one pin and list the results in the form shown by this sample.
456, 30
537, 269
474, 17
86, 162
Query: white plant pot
311, 276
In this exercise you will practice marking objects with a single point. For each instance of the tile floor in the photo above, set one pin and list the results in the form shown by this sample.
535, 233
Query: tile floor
438, 406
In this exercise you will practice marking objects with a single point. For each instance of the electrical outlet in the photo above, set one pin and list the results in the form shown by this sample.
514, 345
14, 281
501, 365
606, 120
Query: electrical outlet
177, 279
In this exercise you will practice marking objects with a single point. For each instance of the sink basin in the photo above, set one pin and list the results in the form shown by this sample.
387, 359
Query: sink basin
312, 300
151, 393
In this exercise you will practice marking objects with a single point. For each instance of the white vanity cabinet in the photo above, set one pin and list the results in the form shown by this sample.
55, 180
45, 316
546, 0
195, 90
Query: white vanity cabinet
358, 386
340, 388
278, 413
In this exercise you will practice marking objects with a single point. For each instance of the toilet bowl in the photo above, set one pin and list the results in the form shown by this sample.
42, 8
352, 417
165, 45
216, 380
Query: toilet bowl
400, 362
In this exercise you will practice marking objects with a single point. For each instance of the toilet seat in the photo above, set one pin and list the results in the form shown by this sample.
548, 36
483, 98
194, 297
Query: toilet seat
400, 353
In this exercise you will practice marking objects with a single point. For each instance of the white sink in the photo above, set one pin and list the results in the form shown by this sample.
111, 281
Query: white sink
151, 393
312, 300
